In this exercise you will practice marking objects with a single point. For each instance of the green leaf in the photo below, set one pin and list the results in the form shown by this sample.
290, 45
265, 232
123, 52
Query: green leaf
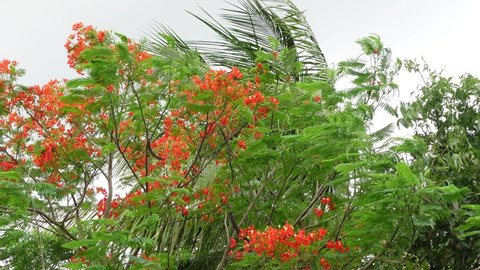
12, 175
80, 243
122, 37
109, 148
371, 44
407, 177
74, 83
69, 109
200, 108
45, 189
313, 86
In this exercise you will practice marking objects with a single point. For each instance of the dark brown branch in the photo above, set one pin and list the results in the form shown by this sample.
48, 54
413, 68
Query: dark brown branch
53, 222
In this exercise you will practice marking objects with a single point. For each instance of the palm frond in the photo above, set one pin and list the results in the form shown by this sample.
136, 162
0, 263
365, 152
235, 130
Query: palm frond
161, 37
247, 28
306, 44
388, 108
381, 138
250, 24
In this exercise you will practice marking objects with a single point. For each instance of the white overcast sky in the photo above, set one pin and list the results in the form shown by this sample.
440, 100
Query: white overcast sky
444, 32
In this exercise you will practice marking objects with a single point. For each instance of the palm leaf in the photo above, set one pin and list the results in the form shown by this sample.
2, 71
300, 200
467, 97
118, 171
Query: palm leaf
161, 37
245, 29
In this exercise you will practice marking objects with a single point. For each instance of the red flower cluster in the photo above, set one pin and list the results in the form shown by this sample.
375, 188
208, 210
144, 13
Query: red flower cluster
327, 201
46, 157
287, 244
6, 66
84, 36
235, 74
254, 99
337, 245
318, 212
143, 55
242, 144
324, 263
36, 123
317, 98
284, 243
5, 164
81, 260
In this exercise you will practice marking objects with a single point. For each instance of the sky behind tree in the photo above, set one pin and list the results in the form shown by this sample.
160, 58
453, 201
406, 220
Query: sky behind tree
443, 32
